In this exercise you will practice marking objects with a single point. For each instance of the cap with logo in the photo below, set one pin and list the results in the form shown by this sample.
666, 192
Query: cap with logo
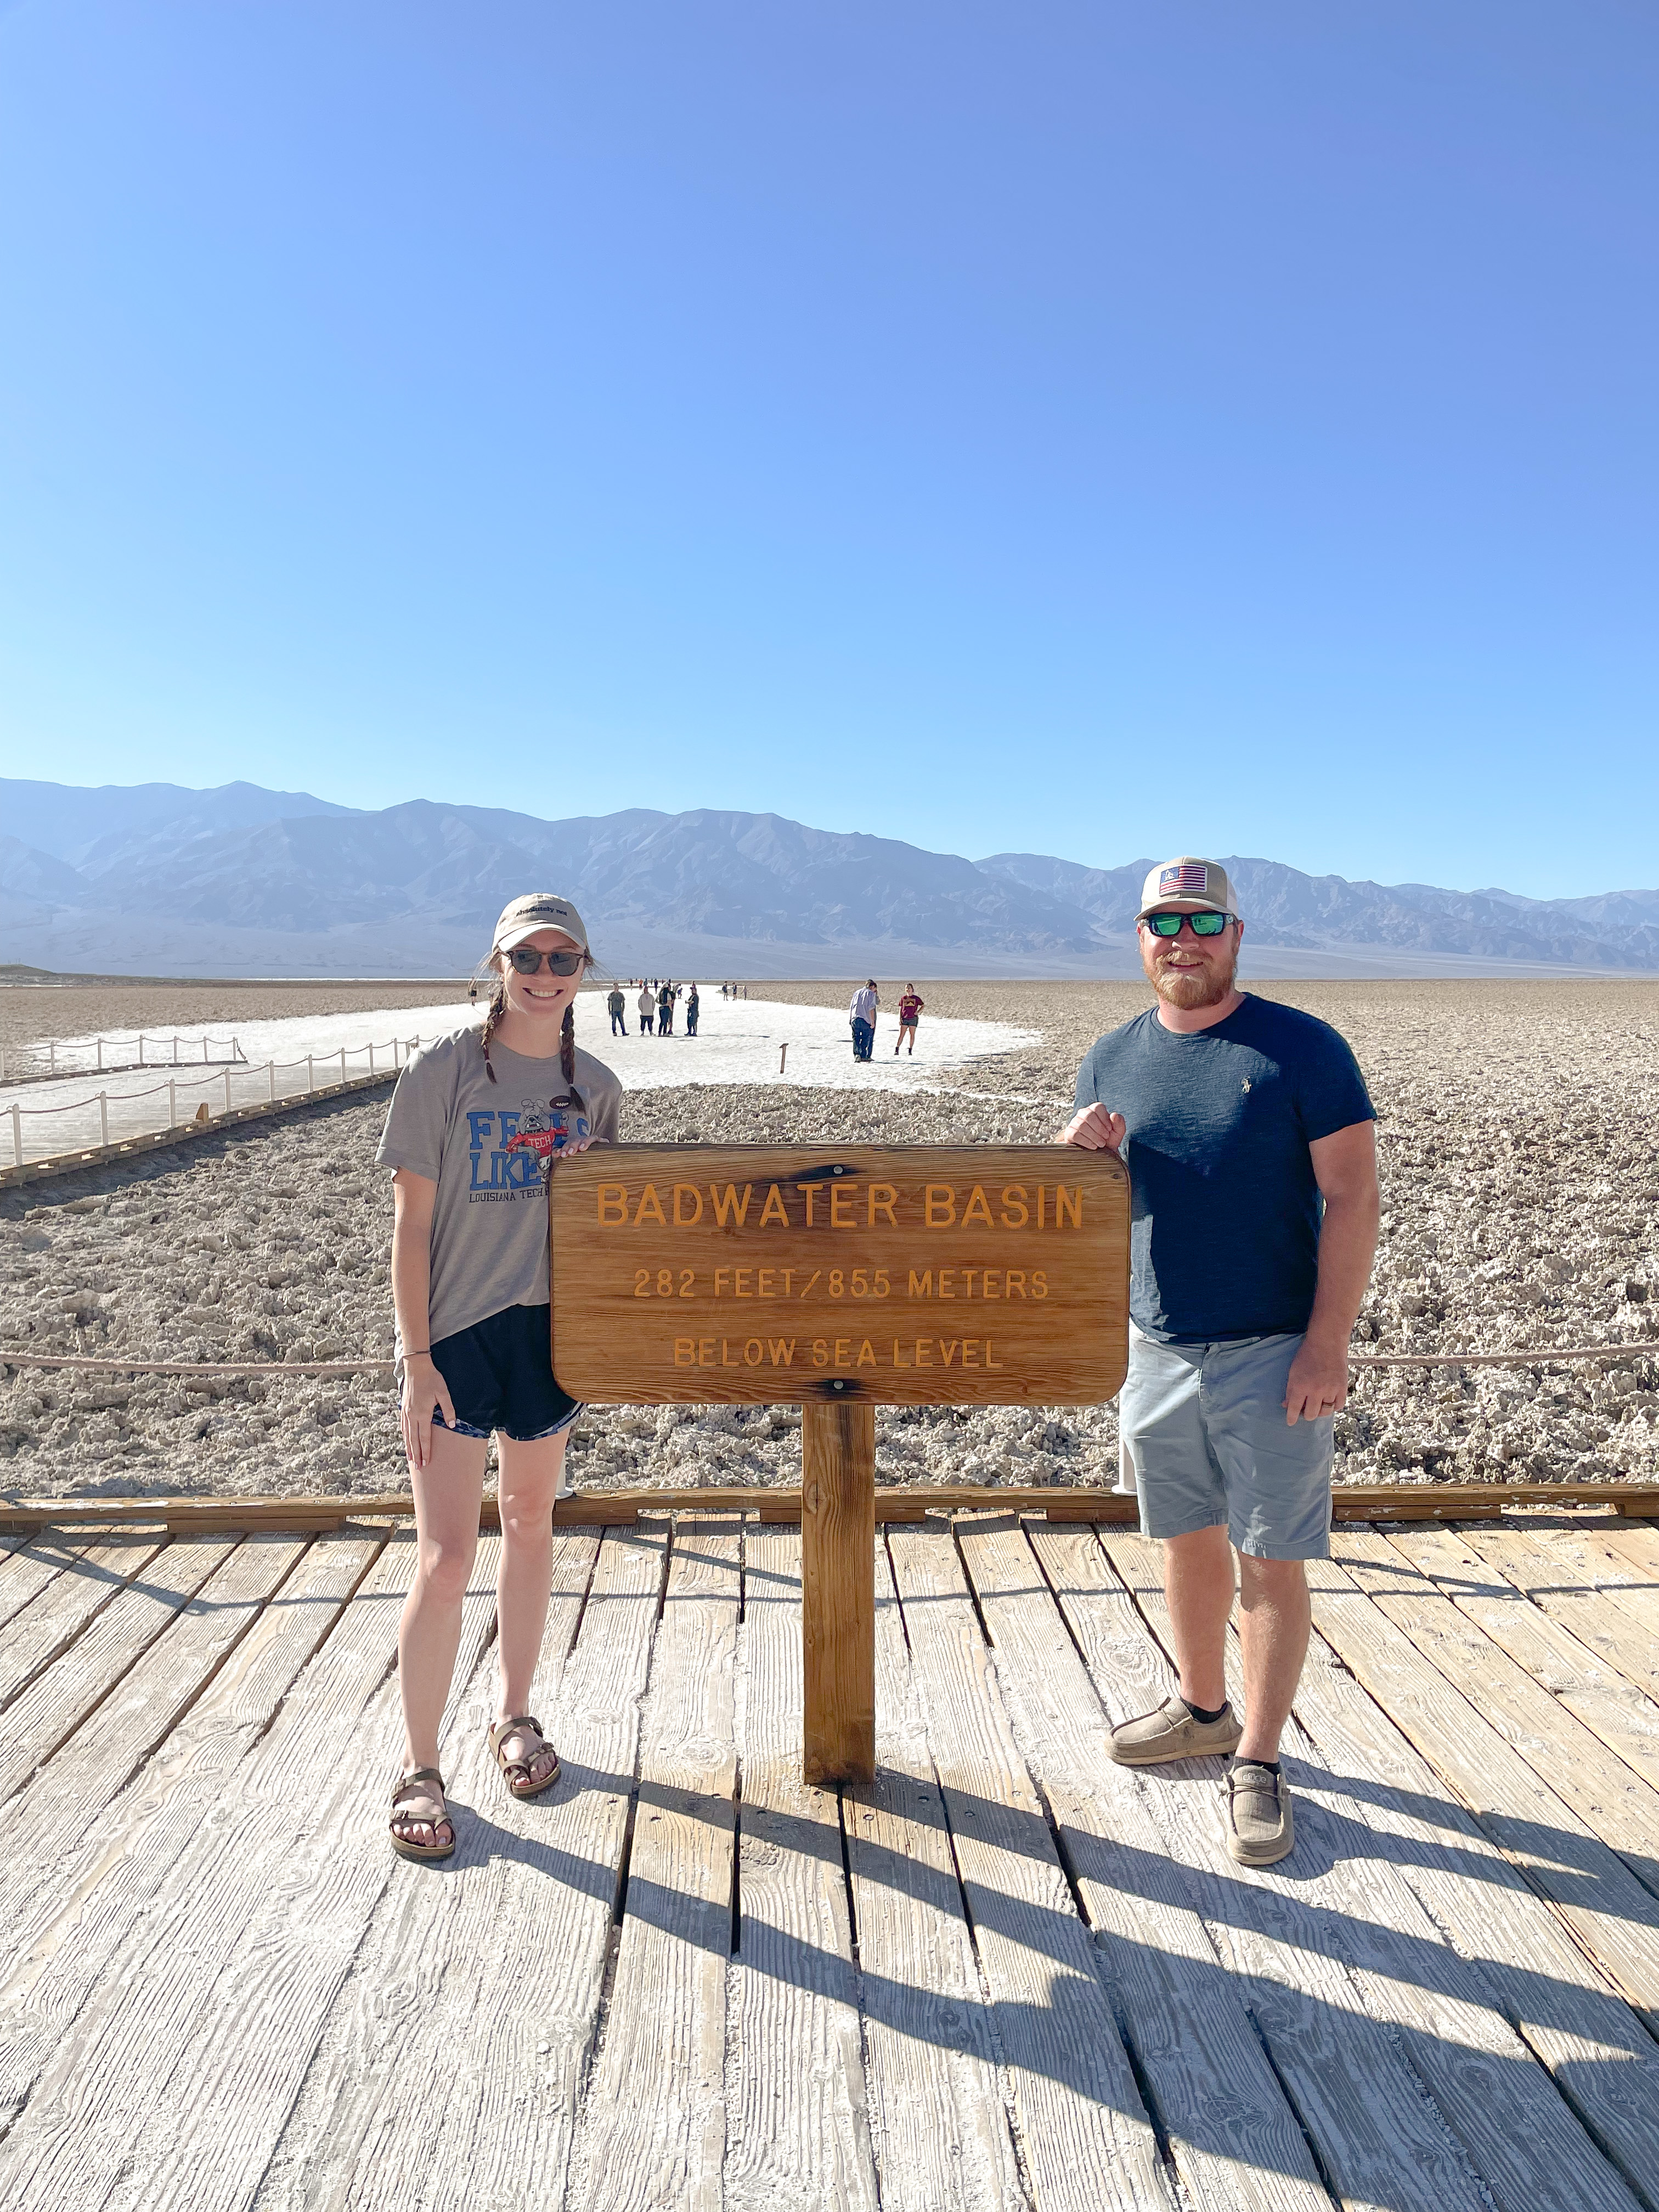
523, 917
1187, 886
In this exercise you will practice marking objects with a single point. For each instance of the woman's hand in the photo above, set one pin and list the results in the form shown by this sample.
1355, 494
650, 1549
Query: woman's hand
424, 1389
569, 1151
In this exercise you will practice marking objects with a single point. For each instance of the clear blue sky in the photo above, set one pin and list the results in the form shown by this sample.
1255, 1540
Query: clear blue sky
1089, 428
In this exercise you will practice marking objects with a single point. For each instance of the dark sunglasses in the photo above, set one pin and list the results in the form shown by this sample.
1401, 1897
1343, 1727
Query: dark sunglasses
528, 961
1208, 923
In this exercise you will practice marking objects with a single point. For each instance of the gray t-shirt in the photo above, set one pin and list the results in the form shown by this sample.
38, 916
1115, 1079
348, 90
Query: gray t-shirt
485, 1145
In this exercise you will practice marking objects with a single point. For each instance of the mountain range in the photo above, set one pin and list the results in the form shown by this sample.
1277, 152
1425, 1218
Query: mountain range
156, 879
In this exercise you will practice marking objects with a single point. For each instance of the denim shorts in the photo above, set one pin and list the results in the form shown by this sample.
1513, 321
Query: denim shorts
500, 1376
1203, 1430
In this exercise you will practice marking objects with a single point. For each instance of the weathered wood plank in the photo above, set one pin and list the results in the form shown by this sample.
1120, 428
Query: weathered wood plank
1087, 2137
29, 1564
937, 2105
1618, 1561
44, 1629
92, 1901
50, 1820
1532, 1563
1608, 1909
211, 2126
61, 1696
147, 2098
1613, 1802
448, 2070
1626, 1721
1377, 2135
1603, 2061
1235, 2140
1340, 1903
652, 2128
797, 2126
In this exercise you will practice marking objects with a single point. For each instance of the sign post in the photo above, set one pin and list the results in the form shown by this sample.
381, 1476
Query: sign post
838, 1279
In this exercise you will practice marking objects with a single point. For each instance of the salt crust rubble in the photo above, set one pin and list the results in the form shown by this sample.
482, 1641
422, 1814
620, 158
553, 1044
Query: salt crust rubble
1520, 1180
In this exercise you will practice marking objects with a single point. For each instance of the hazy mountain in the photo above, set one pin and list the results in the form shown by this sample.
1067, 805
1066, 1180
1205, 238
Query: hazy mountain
159, 879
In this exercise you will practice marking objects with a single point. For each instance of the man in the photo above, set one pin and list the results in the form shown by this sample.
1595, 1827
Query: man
617, 1007
665, 1009
1248, 1137
647, 1010
861, 1012
693, 1008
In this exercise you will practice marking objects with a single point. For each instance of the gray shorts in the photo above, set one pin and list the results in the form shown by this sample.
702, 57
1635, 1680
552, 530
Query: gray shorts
1203, 1430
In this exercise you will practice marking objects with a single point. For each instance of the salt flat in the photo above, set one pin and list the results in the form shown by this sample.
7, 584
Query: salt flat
1521, 1208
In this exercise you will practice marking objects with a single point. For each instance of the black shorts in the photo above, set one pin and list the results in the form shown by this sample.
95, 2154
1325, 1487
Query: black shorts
500, 1376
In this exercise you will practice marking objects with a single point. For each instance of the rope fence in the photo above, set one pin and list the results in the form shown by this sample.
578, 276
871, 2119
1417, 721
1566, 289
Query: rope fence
1534, 1356
23, 1063
111, 1115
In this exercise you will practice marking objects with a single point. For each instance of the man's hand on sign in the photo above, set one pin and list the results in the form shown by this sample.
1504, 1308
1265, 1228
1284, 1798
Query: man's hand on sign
1318, 1381
424, 1389
1095, 1130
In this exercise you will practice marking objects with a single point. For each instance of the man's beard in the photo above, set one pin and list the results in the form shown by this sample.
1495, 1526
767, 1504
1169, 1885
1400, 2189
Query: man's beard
1190, 989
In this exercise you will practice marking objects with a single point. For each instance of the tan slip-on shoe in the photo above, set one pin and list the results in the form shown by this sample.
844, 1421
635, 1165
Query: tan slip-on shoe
1171, 1732
1257, 1819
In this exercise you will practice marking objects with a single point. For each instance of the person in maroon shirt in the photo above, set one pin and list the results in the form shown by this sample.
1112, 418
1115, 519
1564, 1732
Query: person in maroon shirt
910, 1007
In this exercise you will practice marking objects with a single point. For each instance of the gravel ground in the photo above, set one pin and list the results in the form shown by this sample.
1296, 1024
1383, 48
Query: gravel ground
1521, 1176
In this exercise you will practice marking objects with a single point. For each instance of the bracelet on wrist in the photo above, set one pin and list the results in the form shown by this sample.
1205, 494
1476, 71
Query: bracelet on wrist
425, 1352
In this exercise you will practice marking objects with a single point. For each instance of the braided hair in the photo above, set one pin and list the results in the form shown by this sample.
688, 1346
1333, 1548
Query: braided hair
497, 1007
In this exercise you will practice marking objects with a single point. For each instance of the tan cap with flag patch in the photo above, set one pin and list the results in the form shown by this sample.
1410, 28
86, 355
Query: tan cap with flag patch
1187, 886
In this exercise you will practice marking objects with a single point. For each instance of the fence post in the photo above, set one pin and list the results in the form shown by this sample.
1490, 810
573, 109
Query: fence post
100, 1064
227, 1090
371, 1055
270, 1070
103, 1117
342, 1071
172, 1103
51, 1055
310, 1079
16, 1138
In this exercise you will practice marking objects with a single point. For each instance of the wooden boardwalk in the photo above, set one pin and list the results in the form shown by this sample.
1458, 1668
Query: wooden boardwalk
1005, 1974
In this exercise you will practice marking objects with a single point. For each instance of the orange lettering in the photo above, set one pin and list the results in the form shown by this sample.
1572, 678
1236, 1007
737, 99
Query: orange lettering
989, 1362
947, 1352
1015, 1211
753, 1353
613, 1205
775, 1209
1068, 1201
897, 1362
866, 1356
882, 1197
976, 1201
650, 1208
939, 1203
841, 1197
811, 1191
731, 1207
970, 1352
685, 1351
687, 1190
921, 1286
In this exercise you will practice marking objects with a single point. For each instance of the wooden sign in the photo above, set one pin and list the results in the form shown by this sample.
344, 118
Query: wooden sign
755, 1274
838, 1279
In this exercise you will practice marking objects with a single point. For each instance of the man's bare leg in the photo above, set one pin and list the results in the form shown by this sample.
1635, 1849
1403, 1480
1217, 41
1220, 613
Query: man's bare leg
1274, 1617
1198, 1582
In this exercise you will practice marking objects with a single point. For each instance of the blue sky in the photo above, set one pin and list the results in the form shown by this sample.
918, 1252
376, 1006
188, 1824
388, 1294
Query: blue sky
1094, 430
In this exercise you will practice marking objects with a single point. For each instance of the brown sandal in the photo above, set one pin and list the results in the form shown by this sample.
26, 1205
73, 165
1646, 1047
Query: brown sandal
522, 1786
415, 1785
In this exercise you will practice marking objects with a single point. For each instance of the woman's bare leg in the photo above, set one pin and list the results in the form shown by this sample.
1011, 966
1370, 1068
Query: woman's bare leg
530, 1478
446, 1493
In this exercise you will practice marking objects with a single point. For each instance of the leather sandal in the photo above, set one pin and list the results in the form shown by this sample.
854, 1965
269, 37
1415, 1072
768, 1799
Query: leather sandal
516, 1772
425, 1786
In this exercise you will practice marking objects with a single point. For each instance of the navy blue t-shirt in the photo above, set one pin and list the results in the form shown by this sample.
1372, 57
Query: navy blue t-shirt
1224, 1232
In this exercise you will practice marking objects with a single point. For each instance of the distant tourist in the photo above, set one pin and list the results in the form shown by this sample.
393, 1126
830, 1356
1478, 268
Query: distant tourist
861, 1012
910, 1008
666, 1010
485, 1114
691, 1011
647, 1010
1240, 1121
616, 1006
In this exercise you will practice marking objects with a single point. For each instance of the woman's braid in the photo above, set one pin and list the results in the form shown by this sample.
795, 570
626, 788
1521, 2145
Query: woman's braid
496, 1009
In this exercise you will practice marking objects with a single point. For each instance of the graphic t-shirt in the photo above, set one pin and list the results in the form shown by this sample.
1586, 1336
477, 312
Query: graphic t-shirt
485, 1145
1223, 1238
910, 1007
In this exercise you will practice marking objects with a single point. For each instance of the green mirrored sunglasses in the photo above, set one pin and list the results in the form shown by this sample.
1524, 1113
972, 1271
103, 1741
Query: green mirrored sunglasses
1207, 924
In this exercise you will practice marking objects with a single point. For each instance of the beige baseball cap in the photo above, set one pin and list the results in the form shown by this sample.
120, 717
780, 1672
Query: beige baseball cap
1185, 885
523, 917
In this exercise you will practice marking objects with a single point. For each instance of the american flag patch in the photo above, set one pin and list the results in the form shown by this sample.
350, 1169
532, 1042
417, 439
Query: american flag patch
1185, 876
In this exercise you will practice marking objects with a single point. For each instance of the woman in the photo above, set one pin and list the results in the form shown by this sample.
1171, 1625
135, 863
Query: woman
476, 1122
647, 1010
910, 1008
693, 1008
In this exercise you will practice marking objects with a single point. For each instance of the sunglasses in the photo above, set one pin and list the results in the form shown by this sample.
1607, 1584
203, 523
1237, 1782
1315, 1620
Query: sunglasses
1208, 923
528, 961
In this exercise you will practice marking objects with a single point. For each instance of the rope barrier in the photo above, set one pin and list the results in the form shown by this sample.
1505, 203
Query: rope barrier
20, 1356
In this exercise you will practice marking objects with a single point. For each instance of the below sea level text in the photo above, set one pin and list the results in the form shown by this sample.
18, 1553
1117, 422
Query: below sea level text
843, 1351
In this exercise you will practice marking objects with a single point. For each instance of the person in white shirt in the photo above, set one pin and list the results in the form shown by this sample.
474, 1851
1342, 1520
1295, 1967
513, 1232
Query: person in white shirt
862, 1014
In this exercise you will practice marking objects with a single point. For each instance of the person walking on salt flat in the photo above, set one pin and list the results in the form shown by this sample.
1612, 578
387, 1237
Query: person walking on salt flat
478, 1122
1250, 1138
